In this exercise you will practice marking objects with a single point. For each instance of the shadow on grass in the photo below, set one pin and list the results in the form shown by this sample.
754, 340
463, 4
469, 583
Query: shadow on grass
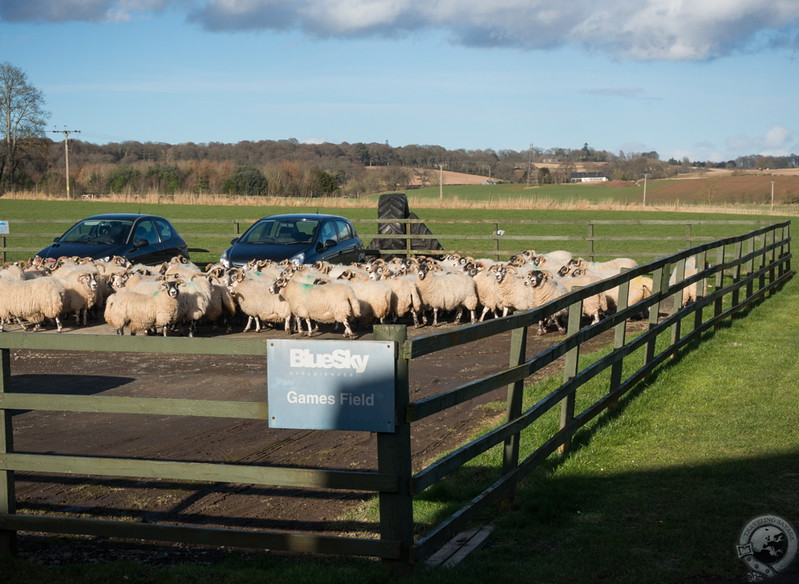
675, 524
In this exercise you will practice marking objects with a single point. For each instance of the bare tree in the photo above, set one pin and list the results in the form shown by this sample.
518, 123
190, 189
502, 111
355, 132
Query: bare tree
23, 118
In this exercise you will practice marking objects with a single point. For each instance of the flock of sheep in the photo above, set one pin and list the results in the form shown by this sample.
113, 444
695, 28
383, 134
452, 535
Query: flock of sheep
177, 296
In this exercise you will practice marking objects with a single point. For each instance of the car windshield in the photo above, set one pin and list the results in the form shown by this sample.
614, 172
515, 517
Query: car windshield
281, 231
98, 231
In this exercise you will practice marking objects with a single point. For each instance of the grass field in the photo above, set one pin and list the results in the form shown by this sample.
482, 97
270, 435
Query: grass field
192, 221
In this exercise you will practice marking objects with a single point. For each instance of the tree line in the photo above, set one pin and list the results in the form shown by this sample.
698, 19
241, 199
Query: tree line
31, 161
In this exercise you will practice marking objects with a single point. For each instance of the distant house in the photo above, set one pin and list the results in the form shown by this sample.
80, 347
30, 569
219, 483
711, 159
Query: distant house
585, 177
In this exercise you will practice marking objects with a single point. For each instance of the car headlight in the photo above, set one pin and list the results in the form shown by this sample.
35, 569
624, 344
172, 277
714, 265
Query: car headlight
224, 260
298, 259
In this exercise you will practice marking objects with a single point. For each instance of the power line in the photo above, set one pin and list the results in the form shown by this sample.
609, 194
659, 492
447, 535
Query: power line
66, 150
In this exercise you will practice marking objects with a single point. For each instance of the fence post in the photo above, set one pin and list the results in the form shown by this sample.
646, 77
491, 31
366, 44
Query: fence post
769, 238
3, 245
570, 367
394, 457
518, 354
496, 241
8, 538
407, 230
736, 273
619, 339
591, 241
660, 283
750, 283
701, 288
786, 237
677, 302
763, 257
719, 304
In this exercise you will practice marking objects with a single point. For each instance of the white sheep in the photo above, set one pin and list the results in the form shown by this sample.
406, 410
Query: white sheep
405, 298
514, 290
254, 299
487, 284
374, 297
446, 291
640, 288
144, 312
81, 294
221, 305
195, 297
545, 288
608, 268
326, 303
32, 301
593, 306
689, 293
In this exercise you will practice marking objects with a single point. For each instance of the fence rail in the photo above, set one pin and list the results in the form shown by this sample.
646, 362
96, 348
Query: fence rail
733, 273
487, 237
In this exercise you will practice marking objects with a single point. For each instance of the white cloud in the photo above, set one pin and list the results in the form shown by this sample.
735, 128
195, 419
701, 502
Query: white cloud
776, 141
778, 137
672, 30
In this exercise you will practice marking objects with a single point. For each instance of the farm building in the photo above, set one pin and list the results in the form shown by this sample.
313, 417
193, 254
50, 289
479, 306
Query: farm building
584, 177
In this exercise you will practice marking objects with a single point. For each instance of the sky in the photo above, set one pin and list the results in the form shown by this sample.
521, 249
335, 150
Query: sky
703, 79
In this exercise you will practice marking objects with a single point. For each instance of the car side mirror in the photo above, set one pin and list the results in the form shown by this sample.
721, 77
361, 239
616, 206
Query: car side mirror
56, 239
140, 243
330, 243
234, 240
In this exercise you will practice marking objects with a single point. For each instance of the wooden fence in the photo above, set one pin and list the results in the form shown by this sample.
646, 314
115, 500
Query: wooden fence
593, 240
734, 272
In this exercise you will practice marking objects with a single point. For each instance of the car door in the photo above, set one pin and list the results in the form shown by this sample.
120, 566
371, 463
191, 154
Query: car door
348, 244
327, 243
172, 244
152, 252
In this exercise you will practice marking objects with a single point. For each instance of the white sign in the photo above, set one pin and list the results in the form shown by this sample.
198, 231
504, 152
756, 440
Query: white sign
3, 227
331, 385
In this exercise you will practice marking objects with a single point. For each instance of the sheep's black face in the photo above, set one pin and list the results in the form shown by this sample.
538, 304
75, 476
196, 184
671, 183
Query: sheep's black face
277, 286
172, 288
536, 278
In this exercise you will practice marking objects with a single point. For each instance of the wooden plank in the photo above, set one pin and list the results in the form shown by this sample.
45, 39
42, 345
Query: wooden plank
264, 540
135, 405
134, 344
458, 548
200, 471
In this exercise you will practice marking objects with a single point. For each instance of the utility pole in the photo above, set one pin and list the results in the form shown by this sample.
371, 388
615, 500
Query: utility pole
440, 182
772, 193
66, 150
530, 168
645, 175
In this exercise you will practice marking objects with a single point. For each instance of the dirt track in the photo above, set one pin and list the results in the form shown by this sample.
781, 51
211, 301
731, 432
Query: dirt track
221, 440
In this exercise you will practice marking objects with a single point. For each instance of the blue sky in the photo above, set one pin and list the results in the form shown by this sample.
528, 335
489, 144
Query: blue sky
706, 79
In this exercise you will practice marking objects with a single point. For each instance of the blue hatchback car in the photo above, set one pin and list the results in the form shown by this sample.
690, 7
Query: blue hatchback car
301, 238
144, 239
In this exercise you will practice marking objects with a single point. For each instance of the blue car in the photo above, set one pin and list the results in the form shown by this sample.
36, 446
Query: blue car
299, 238
144, 239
